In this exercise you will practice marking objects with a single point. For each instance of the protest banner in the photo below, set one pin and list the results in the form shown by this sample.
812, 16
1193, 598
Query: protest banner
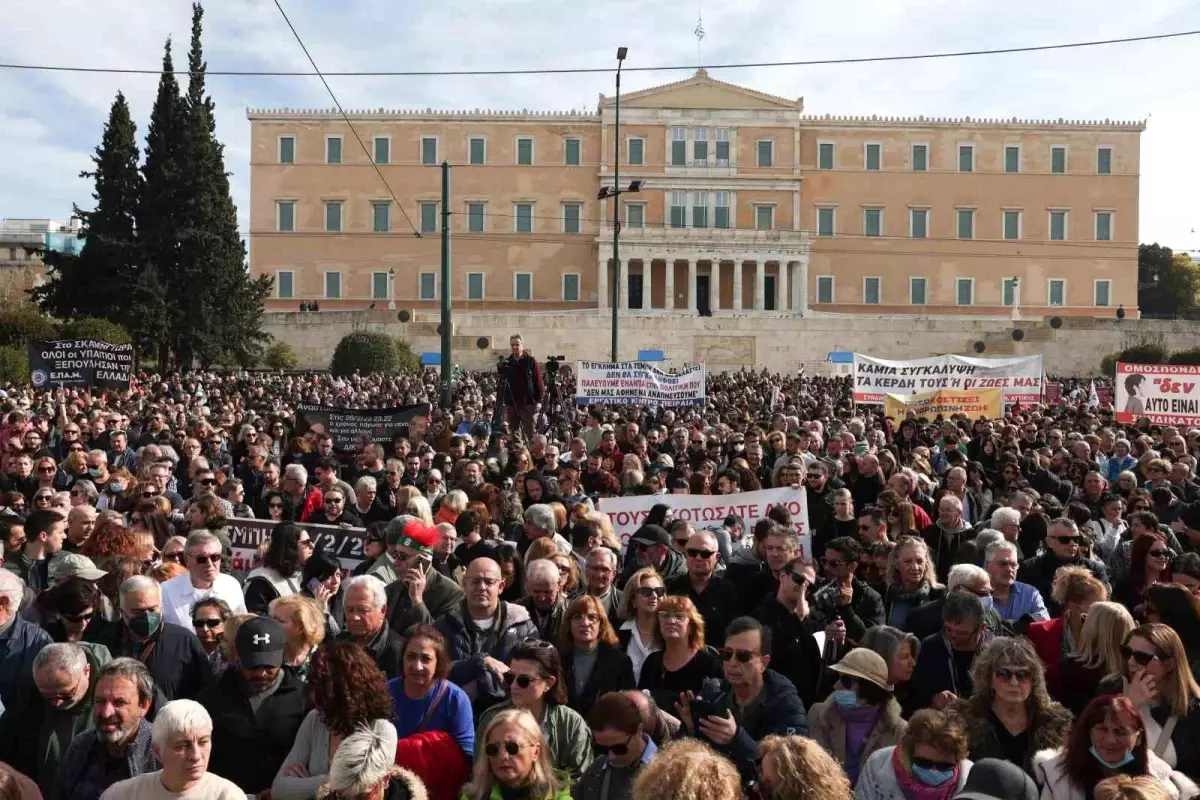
1053, 393
944, 402
248, 535
708, 511
80, 362
637, 383
1020, 379
349, 427
1167, 394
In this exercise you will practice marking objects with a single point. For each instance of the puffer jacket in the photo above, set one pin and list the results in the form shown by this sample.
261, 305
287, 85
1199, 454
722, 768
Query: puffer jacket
877, 778
467, 647
1049, 770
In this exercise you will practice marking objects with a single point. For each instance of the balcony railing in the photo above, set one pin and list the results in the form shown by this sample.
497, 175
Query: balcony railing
668, 235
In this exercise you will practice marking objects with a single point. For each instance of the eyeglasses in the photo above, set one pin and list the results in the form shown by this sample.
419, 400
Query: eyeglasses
1011, 675
304, 543
214, 558
616, 749
682, 542
522, 681
77, 618
275, 506
798, 578
978, 592
651, 591
1159, 553
510, 747
1140, 656
672, 616
743, 656
207, 481
693, 552
207, 624
1065, 539
930, 764
593, 619
333, 501
47, 470
177, 556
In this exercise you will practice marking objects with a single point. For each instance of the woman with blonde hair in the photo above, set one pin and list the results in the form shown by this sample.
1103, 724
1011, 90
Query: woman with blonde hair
512, 759
928, 763
418, 507
684, 663
1127, 787
911, 581
303, 624
1097, 654
638, 635
1074, 590
797, 767
608, 537
568, 571
688, 770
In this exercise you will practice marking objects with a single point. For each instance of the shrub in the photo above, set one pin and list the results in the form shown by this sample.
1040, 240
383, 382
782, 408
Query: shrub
1145, 353
93, 328
407, 358
14, 364
280, 356
1190, 357
19, 324
364, 351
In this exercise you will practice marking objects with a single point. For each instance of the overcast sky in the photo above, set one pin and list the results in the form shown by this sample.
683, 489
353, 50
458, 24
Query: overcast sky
49, 122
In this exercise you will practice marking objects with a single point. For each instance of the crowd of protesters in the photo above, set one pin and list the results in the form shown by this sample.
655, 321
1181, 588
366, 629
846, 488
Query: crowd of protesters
1001, 608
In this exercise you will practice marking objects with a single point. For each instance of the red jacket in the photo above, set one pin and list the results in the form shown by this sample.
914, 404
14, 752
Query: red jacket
1046, 638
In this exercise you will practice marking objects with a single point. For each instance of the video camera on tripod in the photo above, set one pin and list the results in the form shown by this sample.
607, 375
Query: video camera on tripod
552, 363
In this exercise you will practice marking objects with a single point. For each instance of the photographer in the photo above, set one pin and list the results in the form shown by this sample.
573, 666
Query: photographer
521, 387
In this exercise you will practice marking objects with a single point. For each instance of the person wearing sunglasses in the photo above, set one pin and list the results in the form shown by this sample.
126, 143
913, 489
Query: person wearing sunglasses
929, 761
279, 576
861, 715
684, 663
202, 557
1150, 563
622, 745
717, 599
786, 612
512, 759
1063, 541
845, 606
208, 620
639, 635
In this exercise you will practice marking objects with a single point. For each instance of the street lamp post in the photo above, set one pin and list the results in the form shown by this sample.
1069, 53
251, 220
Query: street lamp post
391, 288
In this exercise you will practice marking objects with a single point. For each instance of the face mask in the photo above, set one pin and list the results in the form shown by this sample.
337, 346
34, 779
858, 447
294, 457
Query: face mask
145, 624
845, 698
1111, 765
95, 473
116, 488
932, 777
988, 603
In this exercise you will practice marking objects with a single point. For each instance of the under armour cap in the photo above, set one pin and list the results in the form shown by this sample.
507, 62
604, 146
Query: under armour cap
259, 643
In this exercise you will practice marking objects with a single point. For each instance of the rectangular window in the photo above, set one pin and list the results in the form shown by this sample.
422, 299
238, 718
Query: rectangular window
523, 286
764, 218
918, 223
571, 148
333, 284
635, 215
427, 286
825, 289
572, 213
916, 291
477, 150
678, 209
1012, 224
1058, 159
333, 216
524, 217
1056, 292
1103, 292
722, 147
1058, 226
287, 149
873, 157
766, 153
872, 222
429, 215
920, 157
965, 291
1008, 291
429, 150
524, 151
678, 147
475, 217
383, 150
825, 222
871, 291
966, 158
825, 155
1103, 226
966, 223
1012, 158
570, 287
285, 284
474, 285
637, 152
381, 217
1104, 161
379, 285
333, 149
700, 146
721, 213
700, 209
285, 215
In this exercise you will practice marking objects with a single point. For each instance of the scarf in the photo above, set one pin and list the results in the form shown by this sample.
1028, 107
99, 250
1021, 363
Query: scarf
913, 789
859, 723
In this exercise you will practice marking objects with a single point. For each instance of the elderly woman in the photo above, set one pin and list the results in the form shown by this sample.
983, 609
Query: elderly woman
929, 762
1009, 716
514, 761
593, 664
683, 664
1075, 589
346, 690
1096, 655
638, 635
911, 581
861, 715
799, 768
453, 503
899, 651
362, 768
303, 626
279, 575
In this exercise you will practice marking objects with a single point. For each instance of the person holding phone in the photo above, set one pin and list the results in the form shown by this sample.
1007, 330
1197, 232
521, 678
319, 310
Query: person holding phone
418, 594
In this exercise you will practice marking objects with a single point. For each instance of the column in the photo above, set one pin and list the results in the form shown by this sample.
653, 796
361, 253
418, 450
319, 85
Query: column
691, 288
647, 285
737, 283
801, 284
602, 283
759, 282
624, 285
714, 289
781, 289
669, 285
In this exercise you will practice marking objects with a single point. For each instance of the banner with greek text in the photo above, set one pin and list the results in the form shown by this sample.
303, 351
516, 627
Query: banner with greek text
247, 537
637, 383
352, 427
80, 362
945, 402
1168, 394
708, 511
1019, 379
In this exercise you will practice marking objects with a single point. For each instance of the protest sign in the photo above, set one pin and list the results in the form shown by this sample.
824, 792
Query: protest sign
944, 402
1053, 393
708, 511
248, 535
80, 362
351, 427
637, 383
1020, 379
1168, 394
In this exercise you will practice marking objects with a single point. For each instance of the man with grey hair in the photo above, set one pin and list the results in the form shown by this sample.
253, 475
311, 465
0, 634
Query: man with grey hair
301, 500
926, 620
1007, 521
204, 579
600, 573
20, 641
1011, 599
540, 523
365, 606
949, 534
545, 602
943, 670
118, 747
173, 655
81, 519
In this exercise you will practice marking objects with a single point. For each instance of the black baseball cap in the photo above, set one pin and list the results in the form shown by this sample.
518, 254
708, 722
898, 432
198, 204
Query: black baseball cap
259, 643
650, 535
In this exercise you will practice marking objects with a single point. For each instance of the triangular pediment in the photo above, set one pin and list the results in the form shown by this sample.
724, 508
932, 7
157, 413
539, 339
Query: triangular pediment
703, 91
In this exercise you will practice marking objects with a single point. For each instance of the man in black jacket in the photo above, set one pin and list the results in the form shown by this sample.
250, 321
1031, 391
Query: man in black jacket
366, 624
1062, 550
256, 709
794, 651
523, 387
717, 599
845, 606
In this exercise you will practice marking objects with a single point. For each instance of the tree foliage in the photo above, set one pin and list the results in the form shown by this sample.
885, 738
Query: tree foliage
1190, 357
14, 364
364, 351
1154, 352
280, 356
19, 324
407, 358
94, 328
1168, 282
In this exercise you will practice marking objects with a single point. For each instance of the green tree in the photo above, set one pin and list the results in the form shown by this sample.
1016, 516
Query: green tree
1167, 282
93, 328
280, 356
407, 358
364, 351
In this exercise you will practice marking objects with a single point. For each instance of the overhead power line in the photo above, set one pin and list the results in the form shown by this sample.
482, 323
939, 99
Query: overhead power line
594, 70
336, 102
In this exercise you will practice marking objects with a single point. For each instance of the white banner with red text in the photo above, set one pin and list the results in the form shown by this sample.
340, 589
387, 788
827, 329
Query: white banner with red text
709, 510
637, 383
1167, 394
1020, 378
